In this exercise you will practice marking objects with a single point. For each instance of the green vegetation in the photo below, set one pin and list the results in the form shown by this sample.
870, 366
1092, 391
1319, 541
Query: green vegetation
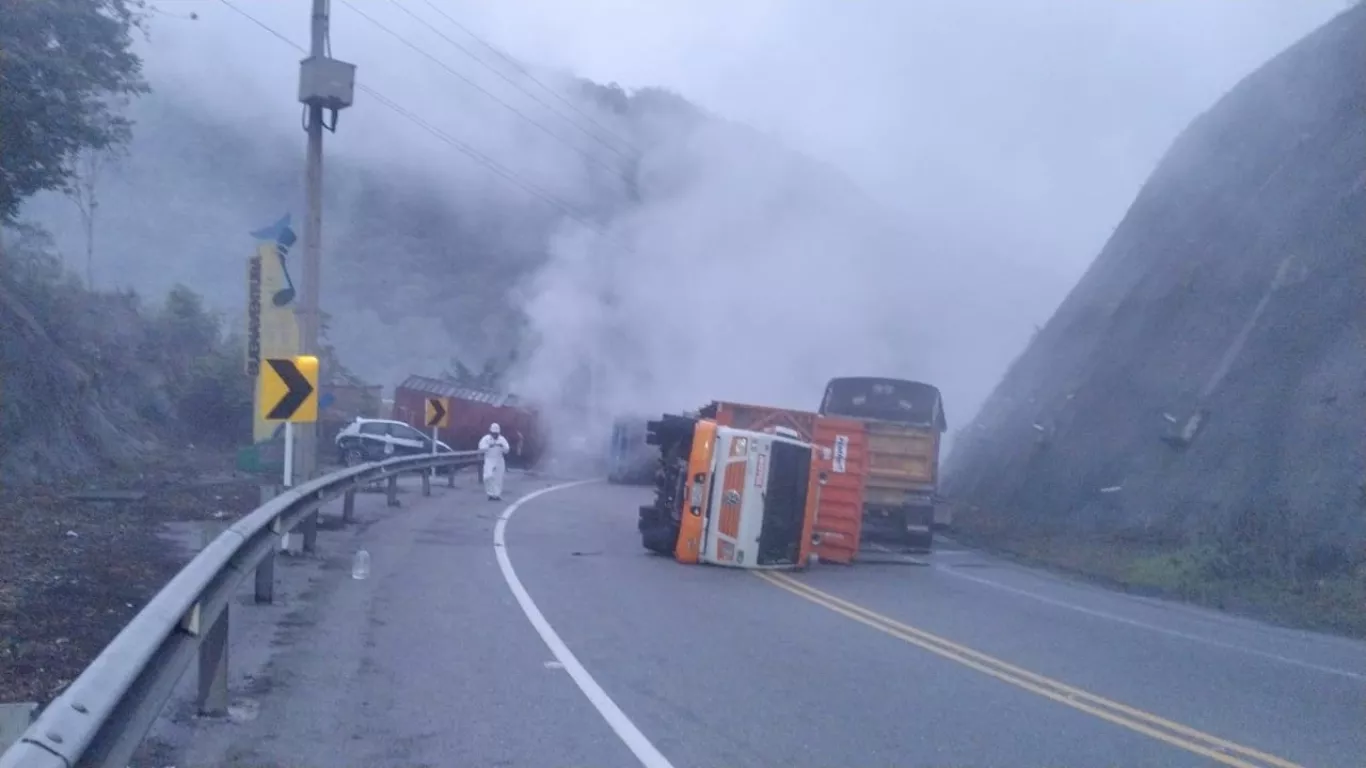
1321, 592
97, 380
74, 54
92, 380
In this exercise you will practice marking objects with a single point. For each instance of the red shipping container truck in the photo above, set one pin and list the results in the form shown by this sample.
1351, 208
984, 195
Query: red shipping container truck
471, 413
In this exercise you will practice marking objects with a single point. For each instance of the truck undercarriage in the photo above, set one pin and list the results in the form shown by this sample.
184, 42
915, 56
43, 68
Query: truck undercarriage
660, 521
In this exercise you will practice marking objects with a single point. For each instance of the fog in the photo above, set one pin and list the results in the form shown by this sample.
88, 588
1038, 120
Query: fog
977, 153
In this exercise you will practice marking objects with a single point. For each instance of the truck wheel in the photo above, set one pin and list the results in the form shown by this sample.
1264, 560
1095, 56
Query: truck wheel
657, 532
659, 541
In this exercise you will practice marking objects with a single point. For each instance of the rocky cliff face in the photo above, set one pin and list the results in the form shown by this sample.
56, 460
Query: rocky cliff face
1205, 381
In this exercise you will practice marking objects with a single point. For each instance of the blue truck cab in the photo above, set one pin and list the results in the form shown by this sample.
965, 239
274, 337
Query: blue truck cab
630, 460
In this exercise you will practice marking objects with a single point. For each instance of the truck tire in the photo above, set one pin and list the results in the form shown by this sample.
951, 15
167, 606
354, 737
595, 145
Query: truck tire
656, 534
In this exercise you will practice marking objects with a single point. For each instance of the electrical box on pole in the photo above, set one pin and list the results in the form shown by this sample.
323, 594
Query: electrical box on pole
327, 83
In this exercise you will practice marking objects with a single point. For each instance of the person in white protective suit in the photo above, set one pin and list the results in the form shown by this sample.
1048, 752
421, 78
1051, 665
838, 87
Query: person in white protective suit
494, 447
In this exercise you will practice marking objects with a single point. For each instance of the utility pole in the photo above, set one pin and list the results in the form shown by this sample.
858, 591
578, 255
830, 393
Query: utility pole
324, 84
306, 439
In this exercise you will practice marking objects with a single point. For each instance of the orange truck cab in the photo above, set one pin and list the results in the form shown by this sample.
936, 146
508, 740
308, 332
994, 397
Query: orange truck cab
729, 496
838, 461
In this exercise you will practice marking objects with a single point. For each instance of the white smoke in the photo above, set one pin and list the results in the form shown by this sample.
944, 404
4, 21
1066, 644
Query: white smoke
748, 274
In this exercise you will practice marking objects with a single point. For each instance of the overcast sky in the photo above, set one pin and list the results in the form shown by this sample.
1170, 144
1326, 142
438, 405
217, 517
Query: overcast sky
1054, 111
1003, 131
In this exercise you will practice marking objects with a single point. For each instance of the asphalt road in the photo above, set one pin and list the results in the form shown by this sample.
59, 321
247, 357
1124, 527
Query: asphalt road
580, 649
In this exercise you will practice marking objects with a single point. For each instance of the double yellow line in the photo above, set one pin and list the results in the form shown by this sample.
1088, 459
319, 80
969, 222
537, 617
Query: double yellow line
1146, 723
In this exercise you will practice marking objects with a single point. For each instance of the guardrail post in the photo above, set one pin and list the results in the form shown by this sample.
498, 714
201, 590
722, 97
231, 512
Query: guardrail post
426, 484
15, 718
450, 479
309, 527
392, 491
349, 506
213, 668
265, 579
265, 570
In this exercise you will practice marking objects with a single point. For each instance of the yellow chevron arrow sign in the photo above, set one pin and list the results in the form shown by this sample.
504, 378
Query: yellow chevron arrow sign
289, 389
438, 412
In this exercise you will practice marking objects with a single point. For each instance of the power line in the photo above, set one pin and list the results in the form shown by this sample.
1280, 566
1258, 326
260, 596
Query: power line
474, 154
264, 26
418, 49
525, 73
482, 159
512, 82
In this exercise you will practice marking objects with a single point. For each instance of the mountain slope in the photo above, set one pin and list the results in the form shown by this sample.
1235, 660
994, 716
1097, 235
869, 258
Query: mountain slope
1227, 304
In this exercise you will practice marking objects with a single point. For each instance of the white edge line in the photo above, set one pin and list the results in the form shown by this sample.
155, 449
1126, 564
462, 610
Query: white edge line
630, 735
1154, 628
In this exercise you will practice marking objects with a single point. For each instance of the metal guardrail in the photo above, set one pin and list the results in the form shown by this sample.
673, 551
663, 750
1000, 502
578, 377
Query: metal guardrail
106, 712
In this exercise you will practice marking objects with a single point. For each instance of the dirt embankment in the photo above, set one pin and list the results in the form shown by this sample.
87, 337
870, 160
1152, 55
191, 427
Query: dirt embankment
101, 391
73, 571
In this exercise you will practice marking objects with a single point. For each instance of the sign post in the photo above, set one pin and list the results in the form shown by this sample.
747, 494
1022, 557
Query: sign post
435, 430
289, 393
437, 415
288, 480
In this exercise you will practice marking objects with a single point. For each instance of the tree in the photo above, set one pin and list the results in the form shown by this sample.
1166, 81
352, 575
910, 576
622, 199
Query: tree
186, 326
68, 65
333, 371
81, 189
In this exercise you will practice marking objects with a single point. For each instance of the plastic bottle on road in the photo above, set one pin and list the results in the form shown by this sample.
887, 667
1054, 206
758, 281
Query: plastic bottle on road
360, 565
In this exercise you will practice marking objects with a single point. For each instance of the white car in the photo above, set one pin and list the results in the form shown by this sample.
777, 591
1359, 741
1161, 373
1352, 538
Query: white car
365, 440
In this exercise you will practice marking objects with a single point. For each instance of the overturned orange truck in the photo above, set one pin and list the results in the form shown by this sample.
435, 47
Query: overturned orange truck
867, 463
731, 497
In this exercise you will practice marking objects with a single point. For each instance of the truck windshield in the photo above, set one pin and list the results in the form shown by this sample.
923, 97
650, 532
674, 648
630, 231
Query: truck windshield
895, 400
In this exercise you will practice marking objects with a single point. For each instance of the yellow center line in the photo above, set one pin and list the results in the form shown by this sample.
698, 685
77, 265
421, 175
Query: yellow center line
1146, 723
